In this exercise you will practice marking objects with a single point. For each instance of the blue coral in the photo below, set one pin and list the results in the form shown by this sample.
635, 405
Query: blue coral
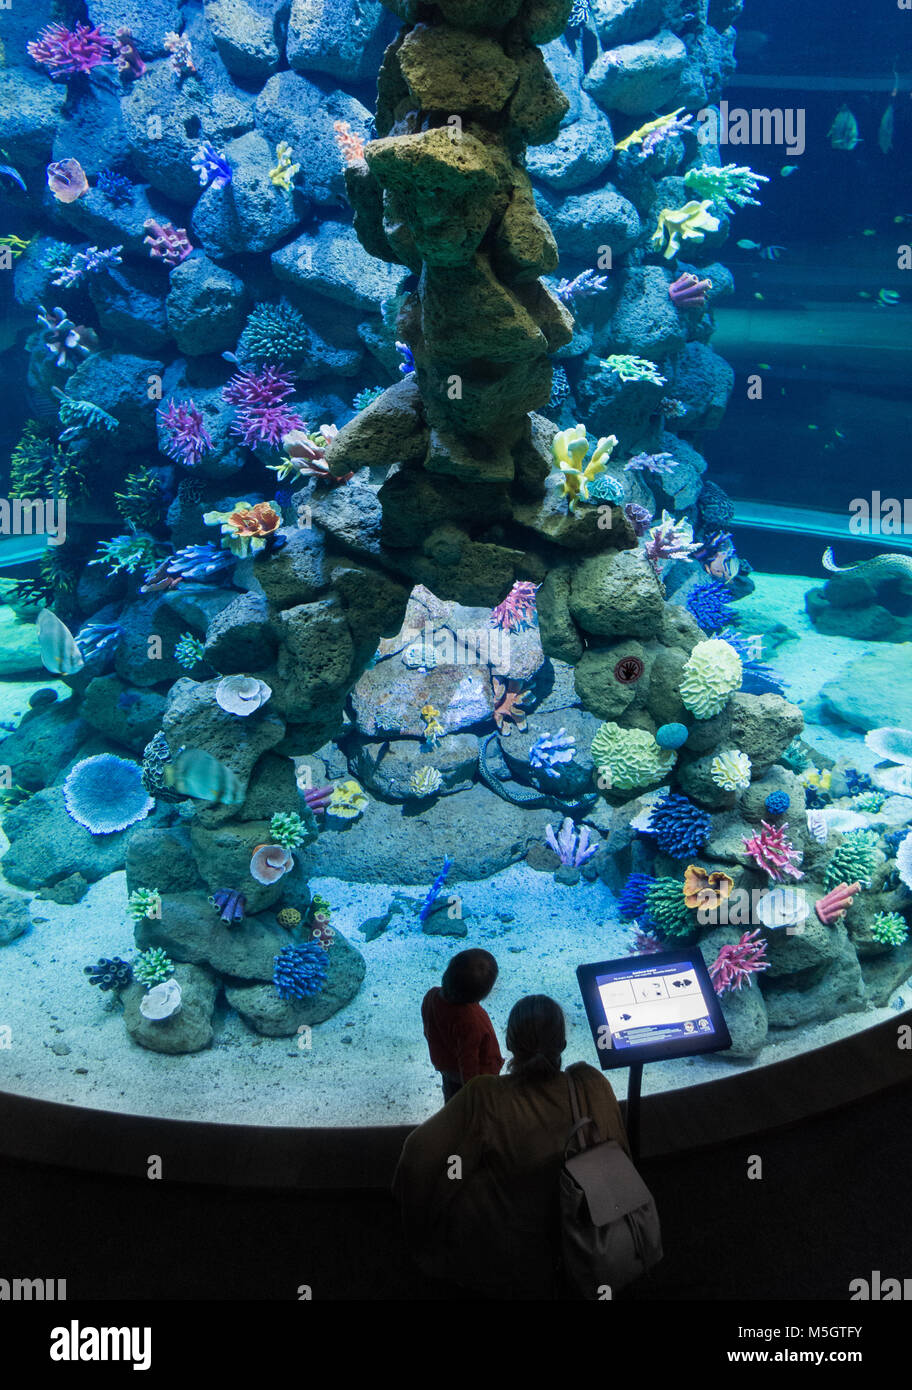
777, 803
756, 678
105, 794
433, 893
857, 782
117, 188
550, 750
679, 828
632, 900
710, 607
300, 971
672, 735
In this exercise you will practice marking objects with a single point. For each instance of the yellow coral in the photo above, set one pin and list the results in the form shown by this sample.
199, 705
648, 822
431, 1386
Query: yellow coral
282, 176
433, 729
677, 225
637, 137
288, 917
347, 801
569, 448
820, 780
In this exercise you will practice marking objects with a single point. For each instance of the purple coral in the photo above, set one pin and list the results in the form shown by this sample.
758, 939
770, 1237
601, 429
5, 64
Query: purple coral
571, 847
126, 58
66, 51
650, 463
259, 395
230, 904
582, 286
639, 517
670, 540
189, 439
64, 339
166, 242
736, 963
689, 291
198, 562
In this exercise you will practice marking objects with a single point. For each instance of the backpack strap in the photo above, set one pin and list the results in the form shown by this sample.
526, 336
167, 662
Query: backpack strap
580, 1121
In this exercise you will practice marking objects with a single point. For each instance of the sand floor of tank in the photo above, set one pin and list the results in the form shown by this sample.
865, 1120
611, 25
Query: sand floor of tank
368, 1065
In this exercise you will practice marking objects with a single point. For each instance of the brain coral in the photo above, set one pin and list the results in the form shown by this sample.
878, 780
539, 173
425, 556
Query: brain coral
628, 758
712, 672
105, 794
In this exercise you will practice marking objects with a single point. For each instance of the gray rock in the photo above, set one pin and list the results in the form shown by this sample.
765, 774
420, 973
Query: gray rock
240, 640
332, 262
874, 691
119, 383
46, 845
31, 108
817, 994
644, 321
161, 858
702, 381
19, 652
345, 39
244, 36
303, 111
626, 21
638, 78
44, 743
194, 720
190, 1029
617, 595
251, 214
389, 697
137, 661
190, 929
129, 717
14, 917
578, 156
205, 305
585, 223
386, 768
129, 307
298, 573
573, 778
262, 1010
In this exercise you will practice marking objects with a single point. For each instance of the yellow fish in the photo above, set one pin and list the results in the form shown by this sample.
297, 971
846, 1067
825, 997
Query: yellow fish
57, 645
198, 774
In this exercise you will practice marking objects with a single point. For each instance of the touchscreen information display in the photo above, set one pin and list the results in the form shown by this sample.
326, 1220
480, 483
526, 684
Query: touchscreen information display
656, 1003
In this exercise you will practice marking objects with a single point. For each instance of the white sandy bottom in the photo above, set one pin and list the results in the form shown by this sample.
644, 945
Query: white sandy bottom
368, 1065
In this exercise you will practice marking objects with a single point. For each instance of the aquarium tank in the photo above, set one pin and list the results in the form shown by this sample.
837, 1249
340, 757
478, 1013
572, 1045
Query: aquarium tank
454, 460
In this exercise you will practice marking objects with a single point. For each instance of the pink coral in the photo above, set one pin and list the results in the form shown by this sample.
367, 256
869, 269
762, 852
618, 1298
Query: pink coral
772, 852
261, 416
517, 610
835, 904
166, 242
126, 58
189, 438
736, 963
645, 944
66, 51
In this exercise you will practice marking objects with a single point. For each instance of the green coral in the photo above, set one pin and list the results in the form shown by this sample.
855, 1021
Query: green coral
629, 368
276, 333
188, 651
677, 225
364, 398
630, 758
144, 902
152, 967
127, 554
854, 861
288, 830
712, 673
869, 802
794, 757
54, 585
729, 187
889, 928
665, 904
82, 419
142, 501
40, 466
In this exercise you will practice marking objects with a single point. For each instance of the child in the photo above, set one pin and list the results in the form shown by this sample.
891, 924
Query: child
460, 1036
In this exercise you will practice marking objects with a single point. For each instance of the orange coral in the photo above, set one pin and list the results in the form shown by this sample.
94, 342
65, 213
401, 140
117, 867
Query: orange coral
351, 145
706, 890
508, 698
260, 520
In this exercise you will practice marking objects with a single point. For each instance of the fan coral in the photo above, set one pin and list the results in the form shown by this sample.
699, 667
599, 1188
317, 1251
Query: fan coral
65, 340
425, 782
677, 225
347, 801
144, 902
679, 828
571, 847
855, 858
836, 903
350, 143
672, 735
110, 974
300, 972
736, 963
731, 771
283, 175
230, 905
88, 262
166, 242
632, 898
104, 794
509, 698
276, 333
889, 928
712, 673
181, 50
152, 967
729, 187
433, 892
628, 368
550, 750
689, 291
127, 554
213, 168
289, 830
709, 606
117, 188
667, 912
247, 527
704, 890
517, 610
627, 759
651, 463
772, 852
66, 51
777, 803
188, 651
669, 540
569, 448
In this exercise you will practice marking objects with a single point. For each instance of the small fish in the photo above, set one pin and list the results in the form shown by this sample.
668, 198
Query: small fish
885, 130
771, 253
839, 434
57, 645
864, 294
198, 774
764, 366
869, 231
843, 133
757, 294
903, 217
787, 170
9, 172
746, 245
887, 297
813, 427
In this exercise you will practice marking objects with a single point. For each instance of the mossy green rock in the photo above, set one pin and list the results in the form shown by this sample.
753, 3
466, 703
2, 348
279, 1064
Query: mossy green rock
190, 1029
617, 595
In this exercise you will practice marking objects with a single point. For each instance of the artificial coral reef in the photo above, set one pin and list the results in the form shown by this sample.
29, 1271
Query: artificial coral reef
494, 589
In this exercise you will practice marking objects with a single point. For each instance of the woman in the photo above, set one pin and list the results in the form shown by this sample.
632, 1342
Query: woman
478, 1182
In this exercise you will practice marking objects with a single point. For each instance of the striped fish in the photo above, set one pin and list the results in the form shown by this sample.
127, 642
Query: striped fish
57, 645
195, 773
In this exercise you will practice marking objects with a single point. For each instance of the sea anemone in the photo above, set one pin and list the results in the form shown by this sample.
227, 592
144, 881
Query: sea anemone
105, 794
188, 438
738, 961
889, 928
66, 51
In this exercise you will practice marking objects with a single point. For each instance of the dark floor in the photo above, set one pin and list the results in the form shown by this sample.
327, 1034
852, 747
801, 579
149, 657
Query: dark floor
833, 1204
